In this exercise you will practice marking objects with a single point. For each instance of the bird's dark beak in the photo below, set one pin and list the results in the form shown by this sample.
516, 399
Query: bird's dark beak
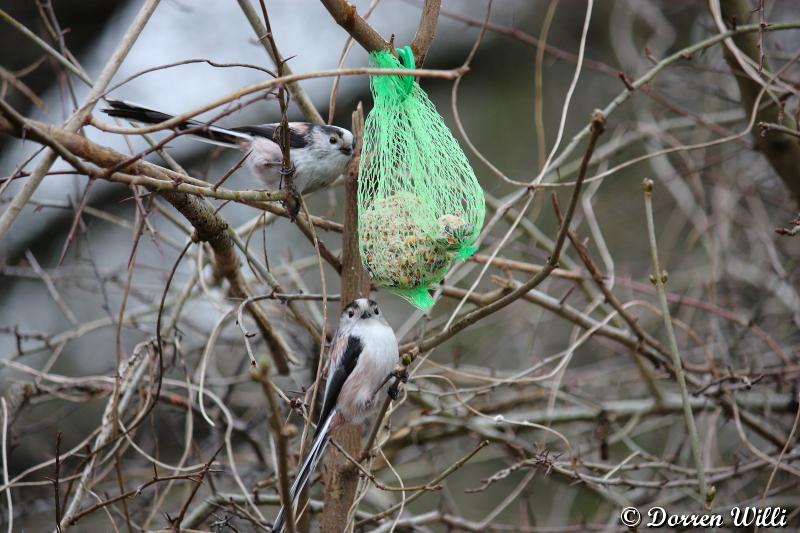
365, 315
346, 151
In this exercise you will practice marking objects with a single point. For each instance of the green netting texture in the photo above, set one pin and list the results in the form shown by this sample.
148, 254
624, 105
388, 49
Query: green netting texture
420, 206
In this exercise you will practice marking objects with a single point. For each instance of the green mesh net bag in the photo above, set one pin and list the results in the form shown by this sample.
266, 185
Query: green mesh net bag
420, 206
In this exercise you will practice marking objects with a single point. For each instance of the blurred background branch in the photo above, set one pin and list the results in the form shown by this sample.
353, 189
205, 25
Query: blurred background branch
781, 152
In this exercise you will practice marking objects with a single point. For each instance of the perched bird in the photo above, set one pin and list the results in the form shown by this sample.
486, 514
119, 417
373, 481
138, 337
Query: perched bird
319, 153
361, 358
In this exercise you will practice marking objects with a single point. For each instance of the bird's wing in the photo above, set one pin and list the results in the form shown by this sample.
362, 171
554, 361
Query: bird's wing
342, 360
297, 133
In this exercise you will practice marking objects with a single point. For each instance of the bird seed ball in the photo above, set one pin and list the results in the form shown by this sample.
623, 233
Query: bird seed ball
398, 252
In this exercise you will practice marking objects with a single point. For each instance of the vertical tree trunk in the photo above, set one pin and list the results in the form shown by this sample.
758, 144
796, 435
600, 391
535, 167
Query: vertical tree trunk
341, 481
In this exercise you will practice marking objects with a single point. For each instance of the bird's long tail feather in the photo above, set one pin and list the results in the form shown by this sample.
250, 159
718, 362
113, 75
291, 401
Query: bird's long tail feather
203, 132
308, 467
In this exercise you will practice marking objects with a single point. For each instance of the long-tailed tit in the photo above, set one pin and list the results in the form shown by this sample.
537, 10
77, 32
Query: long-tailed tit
319, 153
361, 358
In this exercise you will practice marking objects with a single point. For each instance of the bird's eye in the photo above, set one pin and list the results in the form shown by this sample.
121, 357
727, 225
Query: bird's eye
333, 139
351, 313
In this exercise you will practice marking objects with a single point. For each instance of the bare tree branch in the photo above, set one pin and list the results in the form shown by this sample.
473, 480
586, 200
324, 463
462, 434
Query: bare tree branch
76, 121
782, 153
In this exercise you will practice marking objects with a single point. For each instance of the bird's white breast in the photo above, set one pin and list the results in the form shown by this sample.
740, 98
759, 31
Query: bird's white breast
368, 382
379, 339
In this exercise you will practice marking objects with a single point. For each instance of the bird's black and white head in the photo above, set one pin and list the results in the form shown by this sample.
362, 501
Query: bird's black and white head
320, 154
330, 143
360, 311
334, 141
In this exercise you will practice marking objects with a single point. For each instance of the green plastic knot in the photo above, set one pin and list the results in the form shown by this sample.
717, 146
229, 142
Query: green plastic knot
465, 252
406, 56
400, 86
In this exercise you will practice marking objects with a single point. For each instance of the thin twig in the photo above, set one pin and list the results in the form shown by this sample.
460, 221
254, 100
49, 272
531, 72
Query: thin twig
659, 279
51, 288
45, 47
435, 481
4, 450
766, 127
200, 477
277, 82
